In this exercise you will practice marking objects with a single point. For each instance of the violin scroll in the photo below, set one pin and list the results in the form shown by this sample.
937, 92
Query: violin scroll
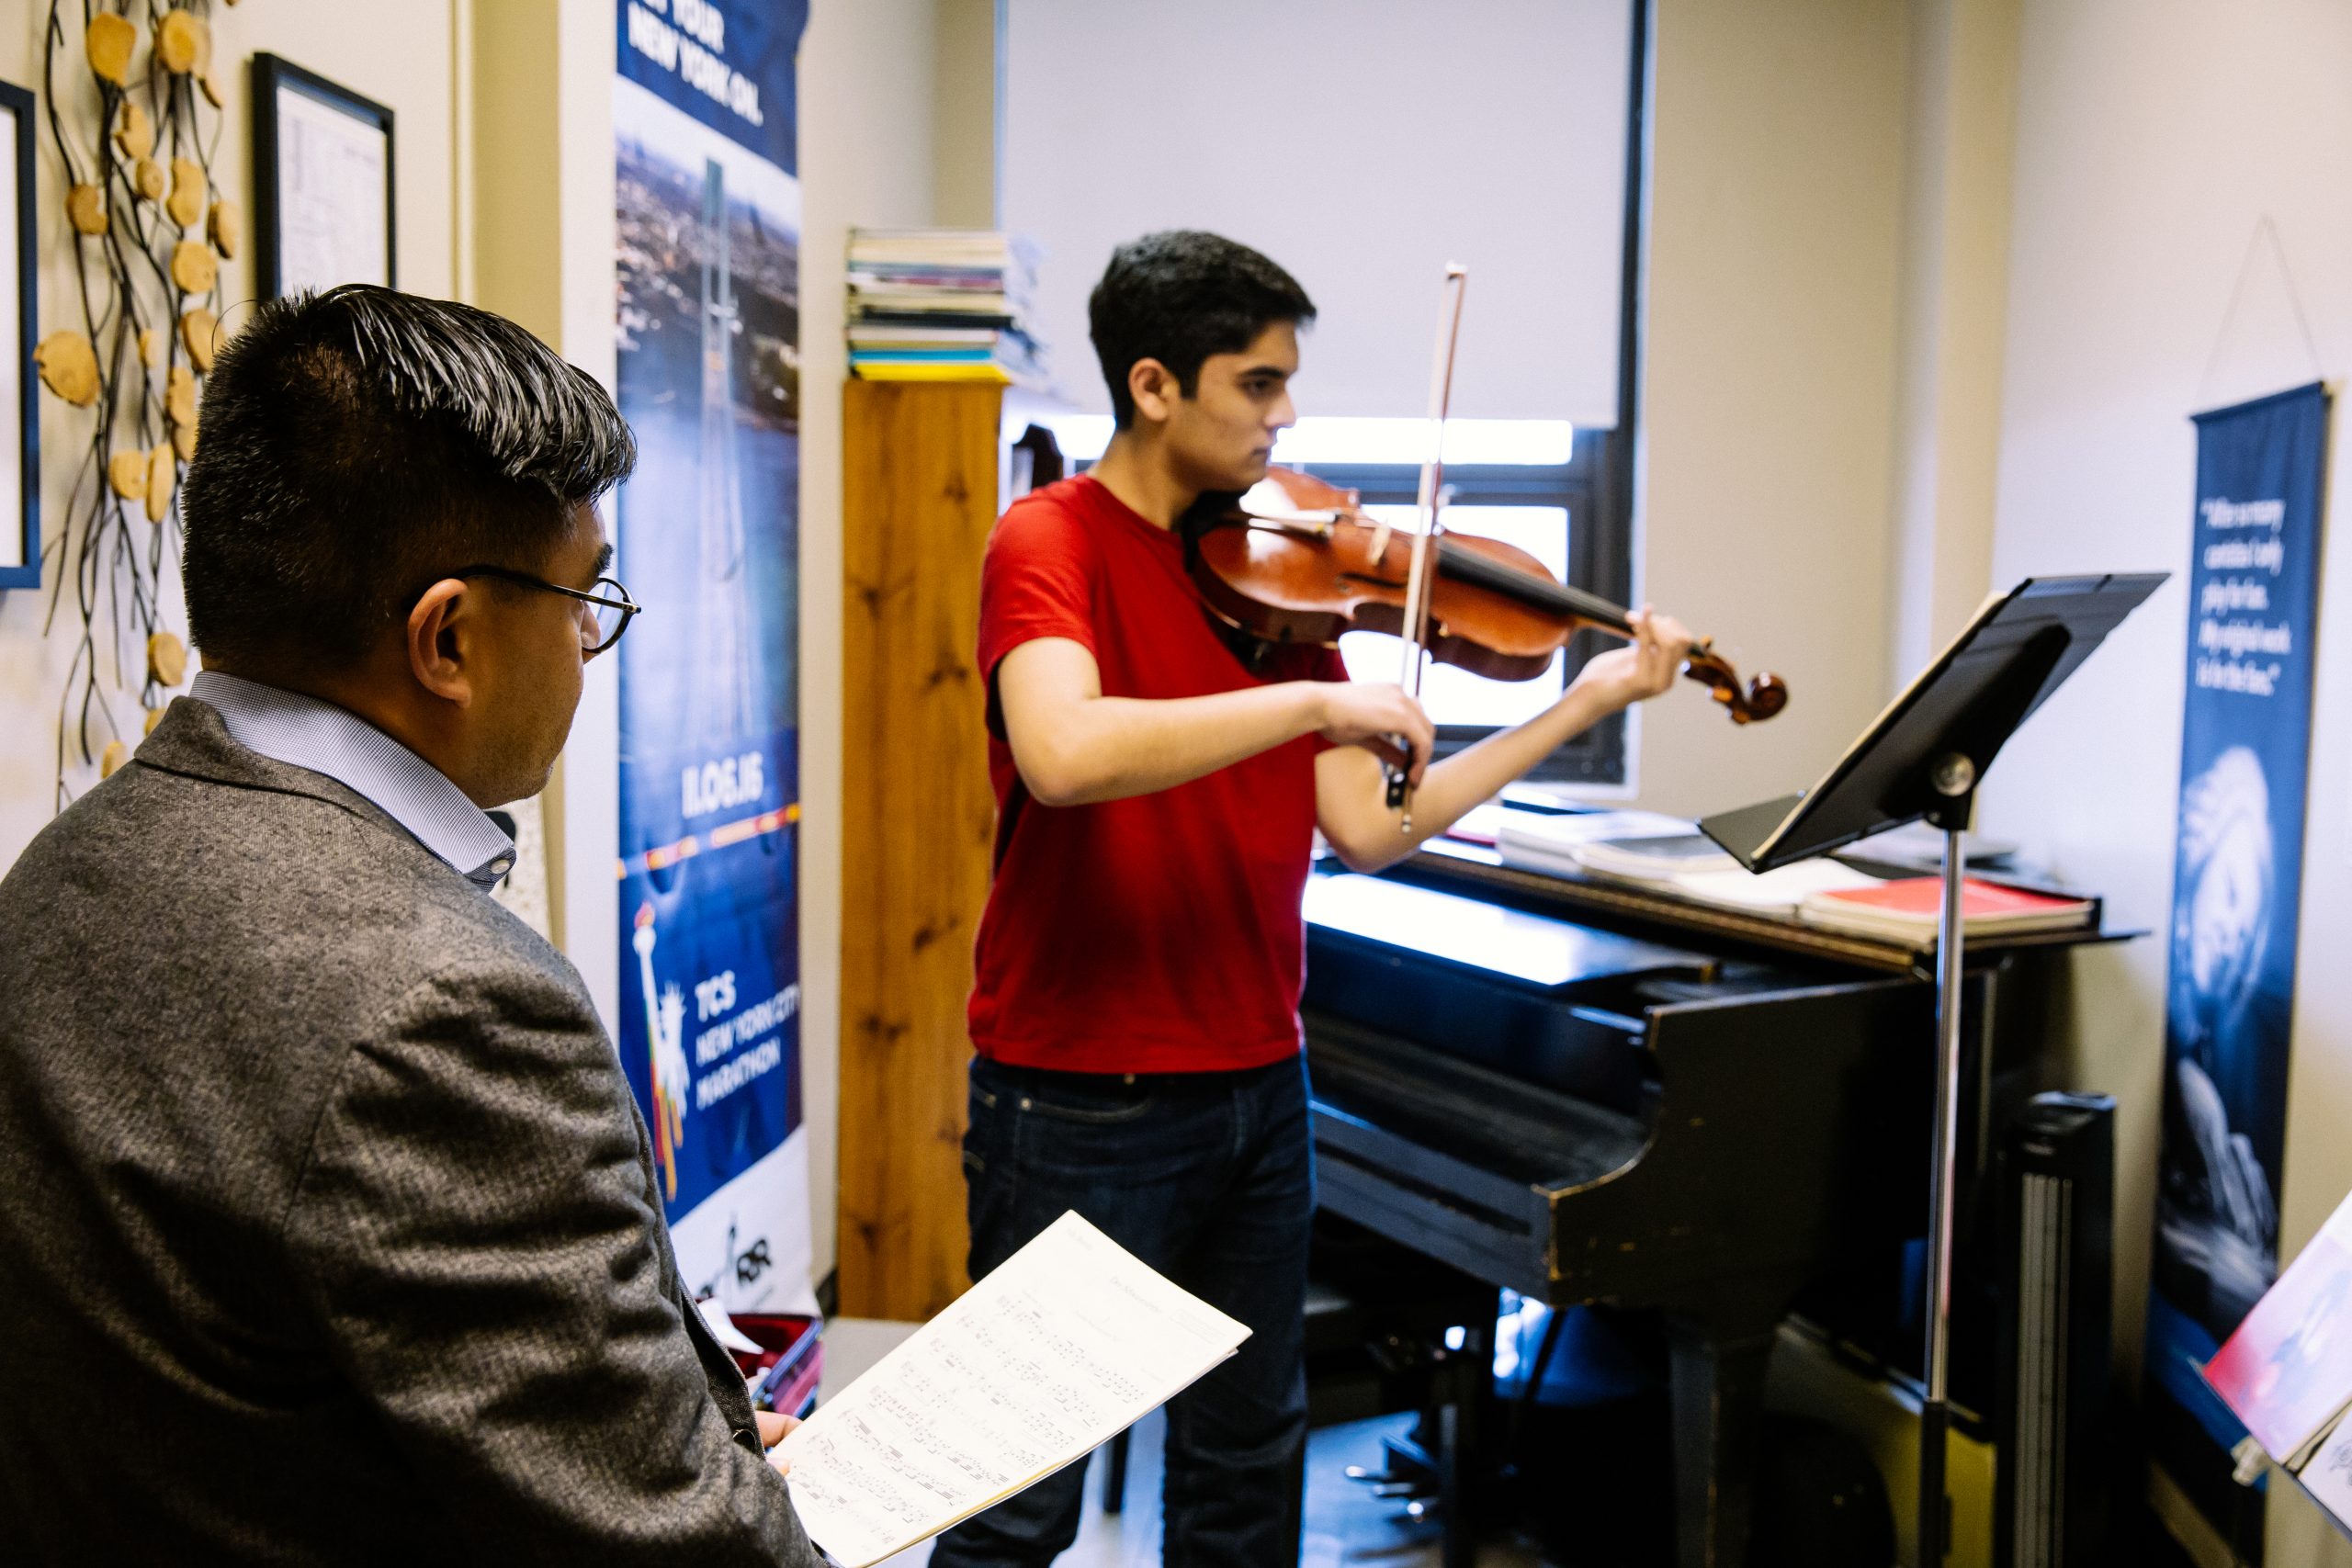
1752, 702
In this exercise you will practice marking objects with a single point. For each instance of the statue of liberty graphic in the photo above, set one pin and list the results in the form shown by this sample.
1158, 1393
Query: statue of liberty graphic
667, 1074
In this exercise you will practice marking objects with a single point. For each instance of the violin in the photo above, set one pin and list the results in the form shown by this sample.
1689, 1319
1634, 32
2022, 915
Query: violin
1296, 560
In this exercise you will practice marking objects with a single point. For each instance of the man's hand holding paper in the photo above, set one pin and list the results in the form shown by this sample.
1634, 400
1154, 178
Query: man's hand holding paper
1063, 1347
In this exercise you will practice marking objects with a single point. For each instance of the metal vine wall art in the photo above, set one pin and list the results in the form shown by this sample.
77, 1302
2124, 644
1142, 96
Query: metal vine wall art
134, 115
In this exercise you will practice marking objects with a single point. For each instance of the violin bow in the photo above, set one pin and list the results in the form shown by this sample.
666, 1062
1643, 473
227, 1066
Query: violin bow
1418, 579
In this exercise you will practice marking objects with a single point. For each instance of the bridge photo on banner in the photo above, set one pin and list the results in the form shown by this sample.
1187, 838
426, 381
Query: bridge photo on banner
708, 540
2237, 889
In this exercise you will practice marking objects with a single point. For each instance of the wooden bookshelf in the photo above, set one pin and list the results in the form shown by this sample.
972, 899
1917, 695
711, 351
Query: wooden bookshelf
919, 495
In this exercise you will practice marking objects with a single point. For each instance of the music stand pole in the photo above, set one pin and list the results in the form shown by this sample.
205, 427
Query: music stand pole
1923, 757
1954, 779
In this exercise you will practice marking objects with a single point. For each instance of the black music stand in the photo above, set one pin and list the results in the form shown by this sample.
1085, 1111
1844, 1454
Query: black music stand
1924, 757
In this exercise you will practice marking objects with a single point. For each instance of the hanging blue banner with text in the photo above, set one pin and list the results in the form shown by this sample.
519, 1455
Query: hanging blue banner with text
707, 537
728, 63
2237, 889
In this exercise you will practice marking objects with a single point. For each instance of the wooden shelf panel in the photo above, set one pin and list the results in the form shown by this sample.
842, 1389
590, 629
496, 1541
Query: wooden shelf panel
919, 498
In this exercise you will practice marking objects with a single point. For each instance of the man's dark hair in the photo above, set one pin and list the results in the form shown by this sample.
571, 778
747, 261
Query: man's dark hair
1180, 296
359, 442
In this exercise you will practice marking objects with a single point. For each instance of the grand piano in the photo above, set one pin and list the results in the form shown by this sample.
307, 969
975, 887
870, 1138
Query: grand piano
1589, 1093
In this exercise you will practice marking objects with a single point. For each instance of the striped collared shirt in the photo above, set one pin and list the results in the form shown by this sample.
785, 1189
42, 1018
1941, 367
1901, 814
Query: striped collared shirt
304, 732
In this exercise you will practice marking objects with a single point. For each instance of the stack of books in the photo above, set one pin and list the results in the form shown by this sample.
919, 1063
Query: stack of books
1653, 857
941, 305
1552, 841
1666, 854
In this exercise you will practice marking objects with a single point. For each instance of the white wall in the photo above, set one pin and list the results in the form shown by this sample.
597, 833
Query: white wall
398, 55
1775, 239
2152, 135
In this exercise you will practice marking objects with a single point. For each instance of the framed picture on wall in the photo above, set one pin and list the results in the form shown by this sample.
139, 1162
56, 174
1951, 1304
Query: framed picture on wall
323, 182
19, 316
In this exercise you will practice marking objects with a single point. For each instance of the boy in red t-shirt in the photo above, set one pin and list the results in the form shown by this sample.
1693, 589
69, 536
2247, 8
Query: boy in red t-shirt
1140, 958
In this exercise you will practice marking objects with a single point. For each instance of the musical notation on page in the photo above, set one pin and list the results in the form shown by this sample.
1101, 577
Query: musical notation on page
1067, 1343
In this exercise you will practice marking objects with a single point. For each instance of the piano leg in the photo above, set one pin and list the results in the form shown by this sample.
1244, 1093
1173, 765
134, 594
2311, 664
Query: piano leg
1717, 1381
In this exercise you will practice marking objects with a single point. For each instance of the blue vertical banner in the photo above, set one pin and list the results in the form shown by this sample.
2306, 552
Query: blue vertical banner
2237, 890
708, 539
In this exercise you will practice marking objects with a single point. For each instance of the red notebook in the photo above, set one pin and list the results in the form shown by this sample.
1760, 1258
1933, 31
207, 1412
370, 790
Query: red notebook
1910, 908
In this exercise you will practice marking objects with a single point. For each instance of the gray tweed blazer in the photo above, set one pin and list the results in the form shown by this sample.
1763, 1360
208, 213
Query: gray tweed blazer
328, 1226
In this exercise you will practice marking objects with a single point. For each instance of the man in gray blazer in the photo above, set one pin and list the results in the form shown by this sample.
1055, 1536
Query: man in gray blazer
329, 1231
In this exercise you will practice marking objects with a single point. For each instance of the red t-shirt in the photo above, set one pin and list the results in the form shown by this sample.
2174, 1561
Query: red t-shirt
1162, 932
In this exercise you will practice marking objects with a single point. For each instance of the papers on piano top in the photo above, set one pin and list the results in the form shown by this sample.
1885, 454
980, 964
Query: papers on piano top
1781, 892
1655, 857
1066, 1344
1556, 834
1482, 824
1554, 842
1667, 853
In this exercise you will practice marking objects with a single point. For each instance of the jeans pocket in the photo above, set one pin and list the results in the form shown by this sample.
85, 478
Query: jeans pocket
1109, 1107
1102, 1143
983, 1120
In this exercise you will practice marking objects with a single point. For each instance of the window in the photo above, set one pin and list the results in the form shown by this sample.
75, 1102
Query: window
1558, 512
1538, 483
1362, 146
1555, 313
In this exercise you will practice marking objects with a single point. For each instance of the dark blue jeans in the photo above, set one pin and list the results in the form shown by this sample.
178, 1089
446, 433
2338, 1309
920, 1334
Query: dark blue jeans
1209, 1178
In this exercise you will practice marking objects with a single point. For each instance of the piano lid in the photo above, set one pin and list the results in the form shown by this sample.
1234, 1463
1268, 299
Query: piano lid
1533, 950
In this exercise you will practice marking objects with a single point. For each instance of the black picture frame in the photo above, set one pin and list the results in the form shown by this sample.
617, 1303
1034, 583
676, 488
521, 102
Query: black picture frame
271, 75
17, 105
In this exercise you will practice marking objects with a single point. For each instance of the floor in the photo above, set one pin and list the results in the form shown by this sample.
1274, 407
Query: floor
1346, 1526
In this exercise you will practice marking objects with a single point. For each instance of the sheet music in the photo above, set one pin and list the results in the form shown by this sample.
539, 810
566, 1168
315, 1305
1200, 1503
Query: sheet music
2328, 1476
1065, 1344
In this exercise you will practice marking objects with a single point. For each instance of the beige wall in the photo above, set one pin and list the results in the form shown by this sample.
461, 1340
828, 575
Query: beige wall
964, 114
534, 197
399, 56
1778, 182
512, 207
866, 159
2151, 139
1825, 220
1959, 127
1775, 241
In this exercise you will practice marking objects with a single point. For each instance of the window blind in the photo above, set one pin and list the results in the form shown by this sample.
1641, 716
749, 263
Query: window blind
1361, 143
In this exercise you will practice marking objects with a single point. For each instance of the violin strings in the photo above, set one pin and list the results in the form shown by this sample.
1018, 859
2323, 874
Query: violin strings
1470, 567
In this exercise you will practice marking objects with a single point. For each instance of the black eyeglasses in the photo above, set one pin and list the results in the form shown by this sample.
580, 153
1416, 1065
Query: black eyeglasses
602, 617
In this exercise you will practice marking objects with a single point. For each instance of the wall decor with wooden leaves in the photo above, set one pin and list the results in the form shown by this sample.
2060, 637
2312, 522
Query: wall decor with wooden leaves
133, 99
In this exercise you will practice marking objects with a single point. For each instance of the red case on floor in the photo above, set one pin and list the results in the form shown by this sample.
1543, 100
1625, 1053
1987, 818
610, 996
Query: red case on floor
783, 1372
